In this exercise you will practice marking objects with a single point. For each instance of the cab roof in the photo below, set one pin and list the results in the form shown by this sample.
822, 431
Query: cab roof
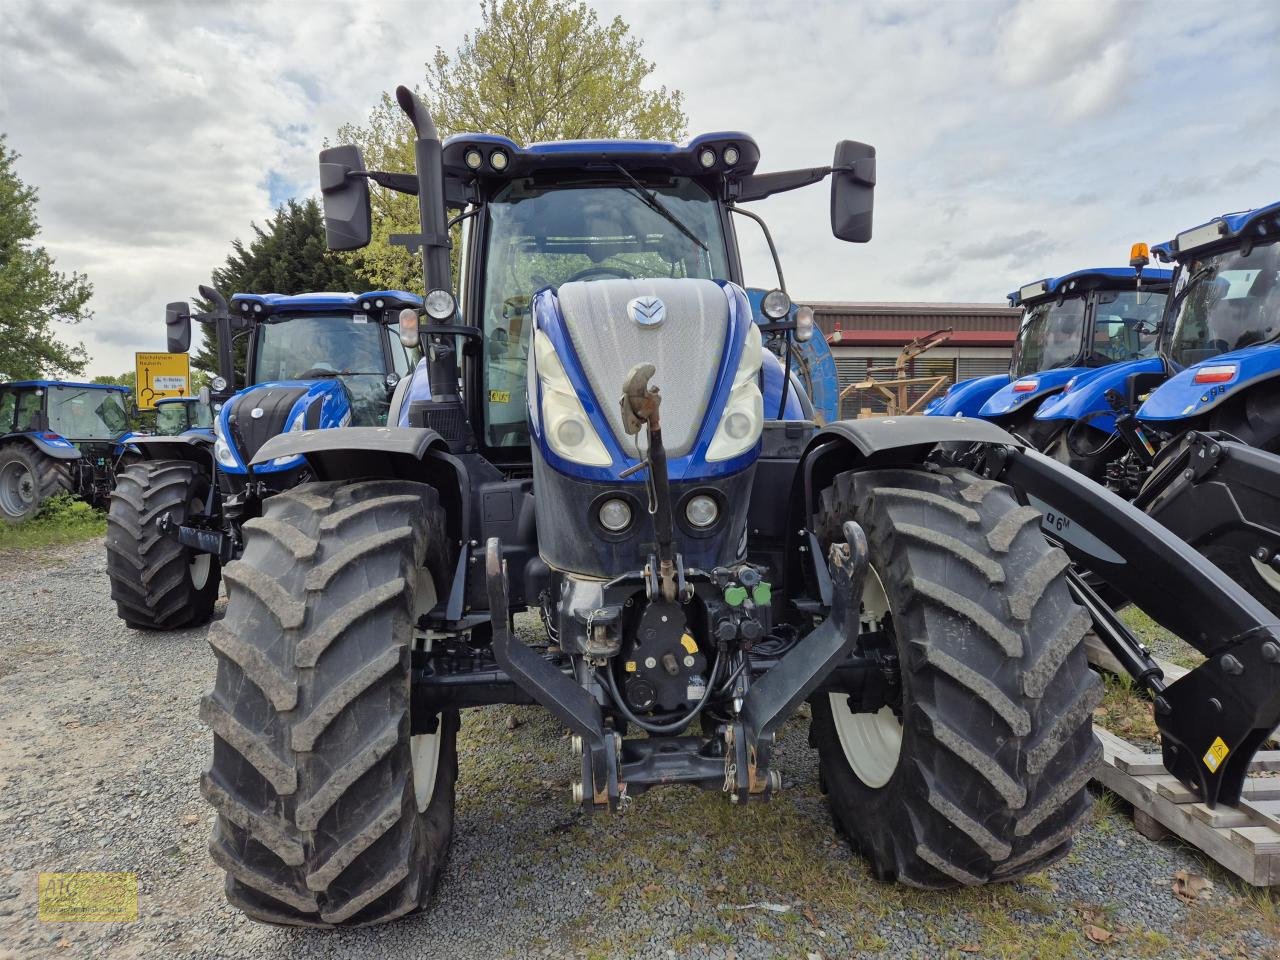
67, 383
1260, 221
263, 304
1090, 278
604, 155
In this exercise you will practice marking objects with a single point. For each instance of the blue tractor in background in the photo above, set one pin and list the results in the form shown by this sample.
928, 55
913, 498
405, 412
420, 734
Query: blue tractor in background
314, 361
1192, 435
587, 436
1073, 327
58, 437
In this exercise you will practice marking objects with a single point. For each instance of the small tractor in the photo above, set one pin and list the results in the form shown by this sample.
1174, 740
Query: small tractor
58, 437
1072, 326
1192, 433
314, 361
586, 436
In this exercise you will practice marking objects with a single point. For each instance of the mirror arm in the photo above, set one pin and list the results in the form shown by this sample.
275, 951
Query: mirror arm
757, 186
399, 182
773, 251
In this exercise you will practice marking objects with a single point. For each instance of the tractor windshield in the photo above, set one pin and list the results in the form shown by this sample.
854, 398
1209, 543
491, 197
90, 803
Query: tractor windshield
79, 413
178, 416
346, 346
1225, 301
1125, 323
1050, 337
542, 236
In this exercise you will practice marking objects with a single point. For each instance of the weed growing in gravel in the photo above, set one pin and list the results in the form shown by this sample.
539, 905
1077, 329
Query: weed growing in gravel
1125, 711
62, 519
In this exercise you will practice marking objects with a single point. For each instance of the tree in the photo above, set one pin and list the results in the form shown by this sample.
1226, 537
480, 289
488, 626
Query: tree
32, 293
286, 256
534, 70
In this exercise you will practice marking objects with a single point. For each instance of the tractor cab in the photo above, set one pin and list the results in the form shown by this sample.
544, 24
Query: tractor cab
58, 436
1072, 325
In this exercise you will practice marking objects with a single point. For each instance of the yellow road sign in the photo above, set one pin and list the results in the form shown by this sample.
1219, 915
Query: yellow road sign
161, 375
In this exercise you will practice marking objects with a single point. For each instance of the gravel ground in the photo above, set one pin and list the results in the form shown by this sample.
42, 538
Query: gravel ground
100, 749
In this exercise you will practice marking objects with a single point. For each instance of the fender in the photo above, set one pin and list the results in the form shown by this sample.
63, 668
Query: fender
1180, 397
198, 448
818, 374
1088, 393
1007, 400
965, 399
50, 444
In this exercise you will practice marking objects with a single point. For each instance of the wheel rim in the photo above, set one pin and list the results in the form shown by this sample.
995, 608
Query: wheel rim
201, 562
872, 742
424, 748
17, 488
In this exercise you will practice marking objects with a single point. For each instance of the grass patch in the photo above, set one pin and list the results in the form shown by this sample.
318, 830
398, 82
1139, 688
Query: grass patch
1161, 641
1125, 711
62, 519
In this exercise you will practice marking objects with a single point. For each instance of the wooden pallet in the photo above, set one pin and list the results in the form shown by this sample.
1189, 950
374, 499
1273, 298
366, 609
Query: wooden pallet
1244, 839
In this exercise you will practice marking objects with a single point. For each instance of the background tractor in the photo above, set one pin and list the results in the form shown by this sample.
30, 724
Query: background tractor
587, 436
314, 361
58, 437
176, 416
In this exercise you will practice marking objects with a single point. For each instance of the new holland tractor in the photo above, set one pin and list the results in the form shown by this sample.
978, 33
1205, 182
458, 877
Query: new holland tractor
58, 437
606, 459
1192, 435
1072, 325
314, 361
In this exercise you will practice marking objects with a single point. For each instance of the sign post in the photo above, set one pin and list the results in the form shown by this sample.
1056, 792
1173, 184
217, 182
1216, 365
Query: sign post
161, 375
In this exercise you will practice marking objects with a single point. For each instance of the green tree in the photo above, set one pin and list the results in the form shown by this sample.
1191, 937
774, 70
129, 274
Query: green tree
32, 293
127, 379
534, 70
286, 256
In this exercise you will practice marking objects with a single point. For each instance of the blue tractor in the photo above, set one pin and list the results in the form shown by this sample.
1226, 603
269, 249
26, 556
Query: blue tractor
314, 361
1193, 435
58, 437
587, 437
1073, 327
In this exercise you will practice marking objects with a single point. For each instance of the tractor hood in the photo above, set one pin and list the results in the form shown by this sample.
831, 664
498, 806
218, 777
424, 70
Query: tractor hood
1206, 384
256, 414
1014, 397
966, 398
700, 338
1086, 392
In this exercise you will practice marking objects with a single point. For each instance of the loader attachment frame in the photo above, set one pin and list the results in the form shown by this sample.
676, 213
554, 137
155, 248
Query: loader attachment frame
1213, 719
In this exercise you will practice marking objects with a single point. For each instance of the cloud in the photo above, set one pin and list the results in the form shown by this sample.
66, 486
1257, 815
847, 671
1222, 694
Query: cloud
1014, 142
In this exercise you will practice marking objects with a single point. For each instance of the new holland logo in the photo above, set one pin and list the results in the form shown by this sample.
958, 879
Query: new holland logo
647, 311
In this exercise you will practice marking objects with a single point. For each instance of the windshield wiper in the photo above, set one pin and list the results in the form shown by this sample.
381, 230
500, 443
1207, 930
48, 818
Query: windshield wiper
1208, 270
650, 199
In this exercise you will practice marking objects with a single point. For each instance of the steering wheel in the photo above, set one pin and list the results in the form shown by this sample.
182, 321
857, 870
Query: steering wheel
315, 372
601, 271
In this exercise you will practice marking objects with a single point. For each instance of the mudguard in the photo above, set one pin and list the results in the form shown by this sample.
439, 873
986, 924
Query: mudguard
966, 398
1087, 394
1007, 400
354, 451
50, 444
197, 448
1180, 397
818, 374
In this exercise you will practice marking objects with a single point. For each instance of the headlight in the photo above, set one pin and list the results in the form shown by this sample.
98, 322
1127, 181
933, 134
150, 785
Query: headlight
564, 420
701, 511
730, 156
473, 158
707, 157
804, 323
439, 305
775, 305
743, 416
217, 384
221, 451
615, 515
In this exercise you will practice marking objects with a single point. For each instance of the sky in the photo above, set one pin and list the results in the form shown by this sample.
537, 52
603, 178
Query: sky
1015, 139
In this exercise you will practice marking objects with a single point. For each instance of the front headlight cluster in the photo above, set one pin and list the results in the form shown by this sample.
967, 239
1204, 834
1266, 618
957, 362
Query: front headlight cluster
743, 417
221, 451
564, 420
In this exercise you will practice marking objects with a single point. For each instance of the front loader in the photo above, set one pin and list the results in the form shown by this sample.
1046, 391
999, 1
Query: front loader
604, 457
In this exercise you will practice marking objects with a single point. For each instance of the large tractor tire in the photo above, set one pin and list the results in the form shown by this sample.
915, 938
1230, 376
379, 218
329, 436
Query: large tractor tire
978, 772
28, 478
331, 810
156, 582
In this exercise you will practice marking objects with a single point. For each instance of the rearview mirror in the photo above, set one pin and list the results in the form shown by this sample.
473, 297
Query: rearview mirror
177, 325
346, 198
853, 183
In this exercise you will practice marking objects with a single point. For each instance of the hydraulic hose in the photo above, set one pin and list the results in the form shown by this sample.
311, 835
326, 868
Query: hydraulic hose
675, 726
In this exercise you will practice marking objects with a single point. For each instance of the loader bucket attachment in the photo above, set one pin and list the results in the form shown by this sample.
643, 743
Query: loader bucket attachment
1213, 719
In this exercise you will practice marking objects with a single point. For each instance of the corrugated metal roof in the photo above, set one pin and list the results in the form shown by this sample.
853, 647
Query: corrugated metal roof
917, 318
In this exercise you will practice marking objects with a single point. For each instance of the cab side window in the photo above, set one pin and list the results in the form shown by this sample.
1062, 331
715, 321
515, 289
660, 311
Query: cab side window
29, 404
7, 404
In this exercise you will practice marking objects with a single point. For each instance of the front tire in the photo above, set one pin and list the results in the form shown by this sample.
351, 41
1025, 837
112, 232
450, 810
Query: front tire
332, 811
156, 582
977, 773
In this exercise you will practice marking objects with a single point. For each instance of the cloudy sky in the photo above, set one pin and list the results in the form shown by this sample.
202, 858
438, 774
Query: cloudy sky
1016, 139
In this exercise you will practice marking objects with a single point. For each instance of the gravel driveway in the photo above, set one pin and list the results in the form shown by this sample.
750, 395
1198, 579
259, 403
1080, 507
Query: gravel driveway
100, 749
